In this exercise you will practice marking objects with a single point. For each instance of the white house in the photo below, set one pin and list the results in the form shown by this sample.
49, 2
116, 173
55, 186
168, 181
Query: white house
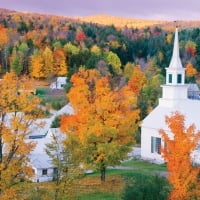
59, 83
42, 165
174, 98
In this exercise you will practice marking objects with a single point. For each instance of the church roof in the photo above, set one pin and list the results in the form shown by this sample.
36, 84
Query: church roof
189, 108
175, 62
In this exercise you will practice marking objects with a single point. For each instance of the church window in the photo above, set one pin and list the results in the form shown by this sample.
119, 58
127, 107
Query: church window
179, 78
170, 78
155, 145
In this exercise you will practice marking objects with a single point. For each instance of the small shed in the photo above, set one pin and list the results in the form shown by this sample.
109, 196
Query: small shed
59, 83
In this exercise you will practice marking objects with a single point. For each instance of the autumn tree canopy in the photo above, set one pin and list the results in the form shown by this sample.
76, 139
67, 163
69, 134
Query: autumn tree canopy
177, 154
104, 120
190, 72
18, 111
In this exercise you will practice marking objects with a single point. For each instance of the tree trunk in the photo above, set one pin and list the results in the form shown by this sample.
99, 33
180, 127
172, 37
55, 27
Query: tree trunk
103, 173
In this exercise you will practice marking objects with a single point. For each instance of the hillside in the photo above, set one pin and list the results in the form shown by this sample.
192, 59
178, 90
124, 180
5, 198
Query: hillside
120, 21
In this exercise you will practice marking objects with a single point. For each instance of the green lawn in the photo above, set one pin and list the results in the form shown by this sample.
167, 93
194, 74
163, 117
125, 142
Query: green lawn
129, 169
97, 195
90, 187
137, 164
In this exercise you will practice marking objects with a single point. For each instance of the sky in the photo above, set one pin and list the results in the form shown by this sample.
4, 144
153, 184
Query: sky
145, 9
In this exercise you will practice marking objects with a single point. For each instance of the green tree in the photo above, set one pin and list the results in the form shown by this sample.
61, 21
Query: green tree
113, 60
23, 56
16, 63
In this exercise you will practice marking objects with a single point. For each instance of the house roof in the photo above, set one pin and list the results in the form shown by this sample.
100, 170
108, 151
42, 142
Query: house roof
41, 131
41, 161
38, 157
61, 79
193, 87
189, 108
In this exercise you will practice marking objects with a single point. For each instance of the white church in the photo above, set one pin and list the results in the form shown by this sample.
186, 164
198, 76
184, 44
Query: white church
174, 98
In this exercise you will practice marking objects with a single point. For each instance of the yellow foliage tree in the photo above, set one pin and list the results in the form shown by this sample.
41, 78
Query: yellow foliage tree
104, 120
96, 50
128, 70
59, 65
169, 38
37, 67
48, 61
18, 111
177, 154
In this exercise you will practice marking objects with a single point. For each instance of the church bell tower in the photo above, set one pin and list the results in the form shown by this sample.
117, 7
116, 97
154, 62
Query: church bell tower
175, 88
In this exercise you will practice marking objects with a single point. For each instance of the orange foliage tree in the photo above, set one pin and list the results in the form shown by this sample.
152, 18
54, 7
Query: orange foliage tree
18, 111
104, 120
190, 70
3, 36
177, 154
137, 77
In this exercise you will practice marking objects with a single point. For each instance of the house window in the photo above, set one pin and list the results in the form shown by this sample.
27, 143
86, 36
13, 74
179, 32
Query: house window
170, 78
55, 171
44, 172
179, 78
155, 145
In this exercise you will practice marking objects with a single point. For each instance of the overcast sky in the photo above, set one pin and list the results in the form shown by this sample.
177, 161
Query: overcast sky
150, 9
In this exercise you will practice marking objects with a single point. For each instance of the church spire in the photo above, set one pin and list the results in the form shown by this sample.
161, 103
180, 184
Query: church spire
175, 60
175, 87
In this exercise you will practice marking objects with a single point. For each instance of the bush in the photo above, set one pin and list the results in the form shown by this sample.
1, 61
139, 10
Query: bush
56, 105
56, 122
40, 91
145, 187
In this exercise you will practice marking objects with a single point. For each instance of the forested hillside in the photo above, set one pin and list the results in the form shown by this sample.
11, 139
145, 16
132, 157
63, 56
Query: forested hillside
45, 46
120, 21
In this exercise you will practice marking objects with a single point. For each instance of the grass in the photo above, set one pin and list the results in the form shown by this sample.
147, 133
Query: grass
137, 164
90, 187
99, 196
112, 189
131, 167
115, 180
46, 98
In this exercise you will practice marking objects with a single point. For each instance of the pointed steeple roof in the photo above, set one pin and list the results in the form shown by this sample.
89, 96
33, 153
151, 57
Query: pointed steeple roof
175, 60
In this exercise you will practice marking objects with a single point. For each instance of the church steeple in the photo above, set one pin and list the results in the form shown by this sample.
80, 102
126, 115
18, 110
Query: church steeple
175, 60
175, 87
175, 71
